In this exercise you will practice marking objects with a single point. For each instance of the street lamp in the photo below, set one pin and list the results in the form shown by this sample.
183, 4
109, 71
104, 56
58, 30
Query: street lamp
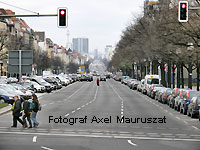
190, 48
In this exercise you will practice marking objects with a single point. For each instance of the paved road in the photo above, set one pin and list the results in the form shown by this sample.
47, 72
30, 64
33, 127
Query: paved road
93, 119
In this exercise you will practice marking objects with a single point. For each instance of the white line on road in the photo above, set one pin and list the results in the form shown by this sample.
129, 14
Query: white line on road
185, 122
34, 139
66, 115
51, 103
101, 136
195, 128
178, 118
73, 111
129, 141
44, 105
78, 108
75, 92
46, 148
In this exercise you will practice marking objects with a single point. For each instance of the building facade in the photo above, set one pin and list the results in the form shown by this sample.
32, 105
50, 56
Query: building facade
81, 45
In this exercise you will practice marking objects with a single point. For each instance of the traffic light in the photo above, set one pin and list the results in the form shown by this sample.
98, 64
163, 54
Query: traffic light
62, 18
183, 11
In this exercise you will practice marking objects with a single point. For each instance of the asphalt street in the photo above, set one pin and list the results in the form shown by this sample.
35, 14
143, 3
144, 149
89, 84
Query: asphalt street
83, 116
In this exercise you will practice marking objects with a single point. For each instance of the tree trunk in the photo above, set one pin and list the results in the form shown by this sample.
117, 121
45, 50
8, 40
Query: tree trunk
169, 74
178, 75
174, 76
197, 76
182, 76
162, 68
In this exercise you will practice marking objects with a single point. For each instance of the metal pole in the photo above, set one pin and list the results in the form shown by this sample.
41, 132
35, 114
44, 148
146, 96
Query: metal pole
20, 65
37, 15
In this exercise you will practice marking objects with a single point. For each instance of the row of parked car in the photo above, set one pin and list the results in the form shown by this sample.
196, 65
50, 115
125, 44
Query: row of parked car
185, 101
32, 85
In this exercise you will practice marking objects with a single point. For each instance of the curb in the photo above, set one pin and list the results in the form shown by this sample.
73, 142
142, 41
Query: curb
5, 109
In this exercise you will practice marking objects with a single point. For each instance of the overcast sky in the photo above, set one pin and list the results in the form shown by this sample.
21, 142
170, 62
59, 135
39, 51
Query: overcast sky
102, 21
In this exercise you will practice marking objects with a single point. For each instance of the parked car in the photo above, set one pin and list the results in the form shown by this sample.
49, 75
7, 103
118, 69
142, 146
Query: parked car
175, 93
159, 94
28, 93
149, 80
11, 90
185, 101
130, 81
42, 82
194, 107
102, 78
139, 86
53, 86
123, 78
6, 97
151, 87
155, 90
134, 85
177, 100
37, 87
166, 94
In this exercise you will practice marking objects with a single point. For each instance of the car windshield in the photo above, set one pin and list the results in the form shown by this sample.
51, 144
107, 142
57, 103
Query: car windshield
152, 81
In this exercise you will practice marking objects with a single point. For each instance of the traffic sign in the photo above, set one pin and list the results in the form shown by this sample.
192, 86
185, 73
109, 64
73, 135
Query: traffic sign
20, 61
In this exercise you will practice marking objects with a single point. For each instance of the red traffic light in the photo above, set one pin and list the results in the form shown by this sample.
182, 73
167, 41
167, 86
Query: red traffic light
62, 12
184, 6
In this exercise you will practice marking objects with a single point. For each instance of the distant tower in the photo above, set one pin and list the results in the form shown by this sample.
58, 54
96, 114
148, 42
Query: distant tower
68, 34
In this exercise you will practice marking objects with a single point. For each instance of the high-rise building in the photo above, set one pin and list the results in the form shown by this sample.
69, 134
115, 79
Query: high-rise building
81, 45
96, 54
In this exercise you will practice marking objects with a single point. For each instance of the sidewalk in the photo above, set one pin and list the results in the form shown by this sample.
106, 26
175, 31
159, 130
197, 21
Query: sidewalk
7, 108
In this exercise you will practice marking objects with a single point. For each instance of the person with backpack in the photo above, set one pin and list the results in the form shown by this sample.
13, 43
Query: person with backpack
16, 109
27, 107
35, 110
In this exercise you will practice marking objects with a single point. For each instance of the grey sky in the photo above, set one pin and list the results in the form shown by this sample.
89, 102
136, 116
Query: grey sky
102, 21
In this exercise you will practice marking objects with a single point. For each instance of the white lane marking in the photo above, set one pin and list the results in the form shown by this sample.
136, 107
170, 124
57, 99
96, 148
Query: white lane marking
51, 103
129, 141
171, 114
178, 118
83, 106
44, 105
43, 147
66, 115
166, 134
75, 92
181, 134
34, 139
102, 136
73, 111
195, 128
78, 108
58, 101
185, 122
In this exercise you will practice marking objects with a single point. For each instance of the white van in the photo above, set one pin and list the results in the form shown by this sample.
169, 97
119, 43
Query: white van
149, 80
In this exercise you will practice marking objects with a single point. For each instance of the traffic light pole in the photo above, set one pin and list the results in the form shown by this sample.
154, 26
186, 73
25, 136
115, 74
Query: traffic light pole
36, 15
194, 8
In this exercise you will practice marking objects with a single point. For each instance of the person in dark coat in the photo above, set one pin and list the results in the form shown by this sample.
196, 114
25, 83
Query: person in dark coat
35, 110
16, 111
97, 81
27, 113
